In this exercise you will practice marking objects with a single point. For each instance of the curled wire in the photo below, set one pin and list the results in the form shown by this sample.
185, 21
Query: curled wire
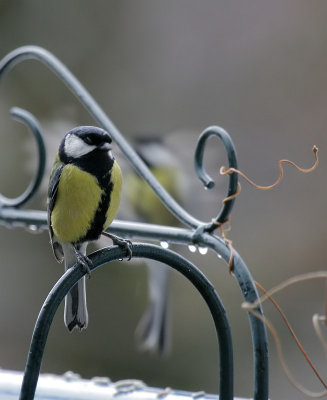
231, 170
288, 373
250, 307
32, 123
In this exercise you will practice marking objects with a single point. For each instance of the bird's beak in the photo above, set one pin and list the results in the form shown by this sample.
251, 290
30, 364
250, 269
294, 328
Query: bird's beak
105, 146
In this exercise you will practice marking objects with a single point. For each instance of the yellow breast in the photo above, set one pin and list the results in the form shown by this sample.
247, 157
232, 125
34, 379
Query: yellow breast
77, 200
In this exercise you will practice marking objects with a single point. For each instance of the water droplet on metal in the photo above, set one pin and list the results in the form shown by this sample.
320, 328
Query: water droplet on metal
164, 244
203, 250
192, 248
34, 229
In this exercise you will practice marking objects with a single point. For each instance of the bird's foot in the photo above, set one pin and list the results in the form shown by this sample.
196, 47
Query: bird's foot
85, 262
125, 243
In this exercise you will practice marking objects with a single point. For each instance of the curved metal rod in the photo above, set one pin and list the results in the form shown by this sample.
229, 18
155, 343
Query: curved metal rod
258, 329
32, 123
243, 276
186, 236
174, 260
232, 162
55, 65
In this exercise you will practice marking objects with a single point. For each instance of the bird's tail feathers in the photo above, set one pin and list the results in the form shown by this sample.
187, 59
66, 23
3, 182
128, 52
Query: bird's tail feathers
76, 315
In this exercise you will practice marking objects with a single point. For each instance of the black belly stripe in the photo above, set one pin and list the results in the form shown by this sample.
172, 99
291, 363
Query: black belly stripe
100, 165
100, 216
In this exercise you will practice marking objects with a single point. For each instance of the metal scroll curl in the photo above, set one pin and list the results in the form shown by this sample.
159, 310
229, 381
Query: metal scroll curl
206, 179
105, 256
32, 123
198, 232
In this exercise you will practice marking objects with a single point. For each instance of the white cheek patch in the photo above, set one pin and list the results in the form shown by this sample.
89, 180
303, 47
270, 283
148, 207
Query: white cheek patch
76, 147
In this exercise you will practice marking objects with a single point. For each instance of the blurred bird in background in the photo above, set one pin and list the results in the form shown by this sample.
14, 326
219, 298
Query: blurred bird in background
83, 199
153, 330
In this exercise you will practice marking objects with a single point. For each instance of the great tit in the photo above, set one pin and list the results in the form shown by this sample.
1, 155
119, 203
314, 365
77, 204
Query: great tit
153, 331
83, 199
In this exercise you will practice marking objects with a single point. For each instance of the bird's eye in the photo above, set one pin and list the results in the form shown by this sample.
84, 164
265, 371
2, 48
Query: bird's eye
88, 140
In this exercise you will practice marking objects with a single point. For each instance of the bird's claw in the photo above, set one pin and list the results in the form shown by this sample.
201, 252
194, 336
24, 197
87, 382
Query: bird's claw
85, 262
125, 243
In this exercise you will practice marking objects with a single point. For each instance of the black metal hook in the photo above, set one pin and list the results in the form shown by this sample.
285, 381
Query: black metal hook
174, 260
203, 233
206, 179
32, 123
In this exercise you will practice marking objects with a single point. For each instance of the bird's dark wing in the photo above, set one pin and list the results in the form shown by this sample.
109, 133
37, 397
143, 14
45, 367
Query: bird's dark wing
52, 195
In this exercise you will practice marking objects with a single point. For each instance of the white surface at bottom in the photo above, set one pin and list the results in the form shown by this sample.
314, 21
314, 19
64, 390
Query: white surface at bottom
70, 386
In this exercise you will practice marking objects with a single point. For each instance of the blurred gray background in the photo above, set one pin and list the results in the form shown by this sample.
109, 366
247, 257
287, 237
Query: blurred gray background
256, 68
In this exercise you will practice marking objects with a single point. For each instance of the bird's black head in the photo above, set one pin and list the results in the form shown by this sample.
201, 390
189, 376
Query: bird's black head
83, 141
